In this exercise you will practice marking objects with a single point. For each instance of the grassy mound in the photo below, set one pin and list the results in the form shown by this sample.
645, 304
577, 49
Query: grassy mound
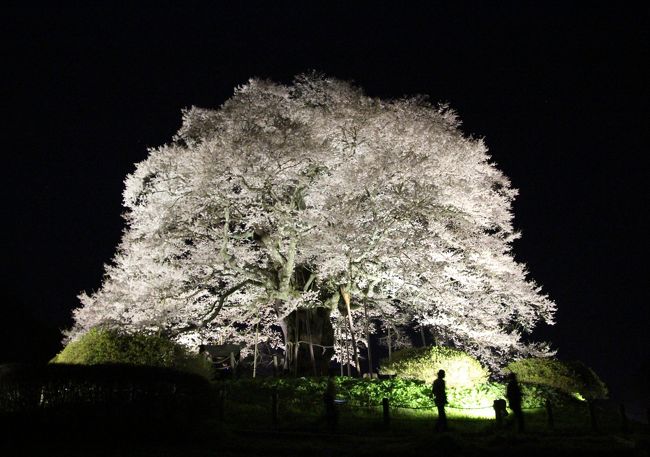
106, 346
462, 370
573, 378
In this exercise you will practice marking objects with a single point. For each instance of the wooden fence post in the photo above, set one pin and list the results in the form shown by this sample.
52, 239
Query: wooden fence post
624, 422
386, 410
221, 403
257, 337
549, 414
592, 416
499, 410
274, 407
330, 411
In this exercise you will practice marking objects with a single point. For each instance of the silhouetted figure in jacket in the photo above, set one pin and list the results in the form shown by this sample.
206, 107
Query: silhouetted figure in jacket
331, 414
513, 393
440, 400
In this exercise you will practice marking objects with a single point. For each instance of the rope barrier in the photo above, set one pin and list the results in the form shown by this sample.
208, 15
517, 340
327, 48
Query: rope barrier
313, 344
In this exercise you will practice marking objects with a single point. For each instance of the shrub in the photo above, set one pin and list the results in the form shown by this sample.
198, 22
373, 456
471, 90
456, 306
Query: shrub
569, 377
309, 391
106, 346
461, 369
477, 396
108, 401
306, 393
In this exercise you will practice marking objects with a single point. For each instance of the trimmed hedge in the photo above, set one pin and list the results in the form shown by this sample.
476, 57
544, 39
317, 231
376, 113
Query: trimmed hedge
306, 393
461, 369
109, 346
28, 387
121, 400
569, 377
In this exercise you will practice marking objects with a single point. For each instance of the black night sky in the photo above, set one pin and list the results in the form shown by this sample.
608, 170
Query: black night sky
559, 91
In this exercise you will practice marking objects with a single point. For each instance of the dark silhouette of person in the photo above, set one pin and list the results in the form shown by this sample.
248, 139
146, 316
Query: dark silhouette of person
500, 411
513, 393
331, 414
440, 400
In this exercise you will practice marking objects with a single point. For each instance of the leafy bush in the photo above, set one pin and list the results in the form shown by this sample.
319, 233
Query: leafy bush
107, 401
304, 391
400, 392
405, 393
477, 396
569, 377
461, 369
105, 346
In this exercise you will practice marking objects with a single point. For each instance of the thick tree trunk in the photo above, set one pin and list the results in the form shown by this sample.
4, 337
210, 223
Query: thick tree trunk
257, 335
296, 345
340, 343
311, 346
287, 341
311, 332
346, 299
365, 311
347, 352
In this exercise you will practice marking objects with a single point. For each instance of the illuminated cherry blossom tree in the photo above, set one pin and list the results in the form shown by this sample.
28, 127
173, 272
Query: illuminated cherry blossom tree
315, 201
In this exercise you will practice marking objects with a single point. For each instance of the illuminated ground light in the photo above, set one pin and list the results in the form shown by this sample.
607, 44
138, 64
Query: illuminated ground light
486, 412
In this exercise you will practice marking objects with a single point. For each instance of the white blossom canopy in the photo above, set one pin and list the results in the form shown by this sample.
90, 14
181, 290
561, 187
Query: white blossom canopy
289, 197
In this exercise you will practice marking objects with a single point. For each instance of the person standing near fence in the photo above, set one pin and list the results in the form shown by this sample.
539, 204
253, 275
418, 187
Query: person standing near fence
440, 399
513, 393
331, 415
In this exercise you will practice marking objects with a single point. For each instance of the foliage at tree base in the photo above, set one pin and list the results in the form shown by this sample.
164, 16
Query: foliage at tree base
462, 370
110, 346
572, 378
404, 393
100, 398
